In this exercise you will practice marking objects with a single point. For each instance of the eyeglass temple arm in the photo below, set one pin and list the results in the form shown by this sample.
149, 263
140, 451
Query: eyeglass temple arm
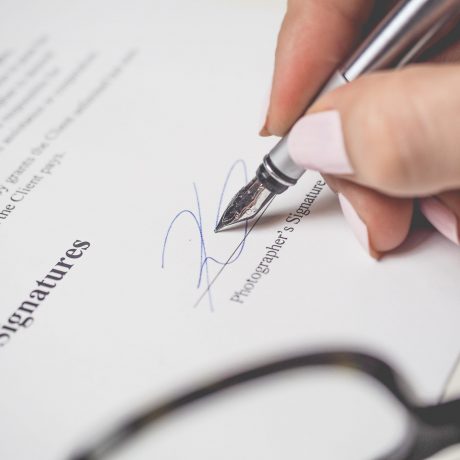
438, 427
426, 419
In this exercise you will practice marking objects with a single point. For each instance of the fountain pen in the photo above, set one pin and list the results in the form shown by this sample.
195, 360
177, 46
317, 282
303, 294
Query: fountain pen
398, 39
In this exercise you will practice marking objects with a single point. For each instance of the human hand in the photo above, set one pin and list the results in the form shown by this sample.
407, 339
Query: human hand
380, 141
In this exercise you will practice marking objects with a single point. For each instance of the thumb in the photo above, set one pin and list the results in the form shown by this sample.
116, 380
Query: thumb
397, 132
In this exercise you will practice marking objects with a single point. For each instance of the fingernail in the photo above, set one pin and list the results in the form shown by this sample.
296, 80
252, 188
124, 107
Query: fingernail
316, 142
358, 226
331, 182
441, 217
264, 113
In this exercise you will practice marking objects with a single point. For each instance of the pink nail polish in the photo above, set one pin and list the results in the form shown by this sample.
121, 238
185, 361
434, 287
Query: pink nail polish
441, 217
316, 142
357, 225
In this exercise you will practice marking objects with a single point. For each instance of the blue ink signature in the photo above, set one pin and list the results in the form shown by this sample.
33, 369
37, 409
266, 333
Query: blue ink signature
204, 275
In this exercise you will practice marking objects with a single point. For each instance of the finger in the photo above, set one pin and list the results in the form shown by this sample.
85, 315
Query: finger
396, 132
315, 37
443, 212
380, 223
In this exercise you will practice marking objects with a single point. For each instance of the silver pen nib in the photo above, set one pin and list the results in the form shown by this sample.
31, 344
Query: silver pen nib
246, 204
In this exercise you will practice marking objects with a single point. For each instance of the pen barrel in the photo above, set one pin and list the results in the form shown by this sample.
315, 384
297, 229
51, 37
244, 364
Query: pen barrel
398, 38
406, 29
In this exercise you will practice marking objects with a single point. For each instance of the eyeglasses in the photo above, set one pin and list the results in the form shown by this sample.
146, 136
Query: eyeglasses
426, 429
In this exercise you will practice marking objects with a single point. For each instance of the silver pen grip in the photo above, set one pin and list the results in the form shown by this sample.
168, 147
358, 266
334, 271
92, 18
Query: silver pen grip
279, 155
394, 42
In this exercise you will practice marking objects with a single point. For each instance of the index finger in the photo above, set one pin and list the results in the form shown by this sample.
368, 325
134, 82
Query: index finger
315, 37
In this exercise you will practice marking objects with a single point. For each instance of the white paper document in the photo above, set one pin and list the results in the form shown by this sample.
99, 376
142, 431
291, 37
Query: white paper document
125, 129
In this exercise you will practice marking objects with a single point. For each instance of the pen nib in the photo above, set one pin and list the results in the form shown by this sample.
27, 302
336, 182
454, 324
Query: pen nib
245, 205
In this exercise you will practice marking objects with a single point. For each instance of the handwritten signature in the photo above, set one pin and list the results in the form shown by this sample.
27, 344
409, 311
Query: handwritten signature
204, 278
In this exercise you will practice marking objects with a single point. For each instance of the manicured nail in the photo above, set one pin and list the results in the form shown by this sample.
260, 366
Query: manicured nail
358, 226
441, 217
331, 182
264, 113
316, 142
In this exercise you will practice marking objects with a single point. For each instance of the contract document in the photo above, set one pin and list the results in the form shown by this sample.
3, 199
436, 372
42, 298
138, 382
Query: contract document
125, 128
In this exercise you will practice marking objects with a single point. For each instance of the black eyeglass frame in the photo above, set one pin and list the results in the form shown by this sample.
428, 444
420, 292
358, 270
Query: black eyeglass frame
432, 427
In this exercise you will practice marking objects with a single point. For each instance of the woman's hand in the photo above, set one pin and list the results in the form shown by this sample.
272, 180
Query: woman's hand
380, 141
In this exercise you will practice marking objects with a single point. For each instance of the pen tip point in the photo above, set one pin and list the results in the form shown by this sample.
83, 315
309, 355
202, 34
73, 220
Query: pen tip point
219, 227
